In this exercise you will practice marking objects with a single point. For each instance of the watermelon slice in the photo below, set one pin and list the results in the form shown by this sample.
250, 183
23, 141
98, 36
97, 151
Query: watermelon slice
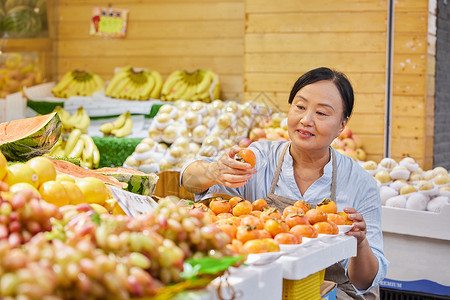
26, 138
137, 182
75, 171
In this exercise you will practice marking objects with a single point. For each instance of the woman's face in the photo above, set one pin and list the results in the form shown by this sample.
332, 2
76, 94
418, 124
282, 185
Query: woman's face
315, 116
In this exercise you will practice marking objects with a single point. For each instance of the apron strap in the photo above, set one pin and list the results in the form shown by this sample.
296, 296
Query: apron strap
333, 177
277, 172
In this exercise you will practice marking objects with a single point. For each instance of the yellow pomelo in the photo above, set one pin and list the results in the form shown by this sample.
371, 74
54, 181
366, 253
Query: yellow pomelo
64, 177
54, 192
99, 209
21, 173
23, 186
93, 189
44, 169
3, 166
74, 194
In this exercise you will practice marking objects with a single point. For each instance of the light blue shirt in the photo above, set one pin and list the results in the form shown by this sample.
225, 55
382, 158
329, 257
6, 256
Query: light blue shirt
354, 188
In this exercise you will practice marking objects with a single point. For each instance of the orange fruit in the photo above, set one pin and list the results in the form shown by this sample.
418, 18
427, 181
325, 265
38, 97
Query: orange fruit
64, 177
275, 227
54, 192
3, 166
252, 221
324, 227
235, 200
336, 219
327, 206
93, 189
296, 219
316, 215
291, 209
21, 172
44, 169
256, 246
307, 231
218, 205
242, 208
286, 238
346, 219
246, 156
303, 205
247, 233
259, 204
74, 193
272, 245
270, 213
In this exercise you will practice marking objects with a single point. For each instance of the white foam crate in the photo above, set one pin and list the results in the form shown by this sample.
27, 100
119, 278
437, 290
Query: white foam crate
12, 107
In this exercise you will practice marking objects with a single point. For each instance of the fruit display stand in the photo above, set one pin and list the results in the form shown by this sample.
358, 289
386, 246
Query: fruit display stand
417, 244
295, 275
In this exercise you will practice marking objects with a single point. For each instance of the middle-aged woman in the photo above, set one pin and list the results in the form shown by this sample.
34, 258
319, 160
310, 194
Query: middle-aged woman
307, 168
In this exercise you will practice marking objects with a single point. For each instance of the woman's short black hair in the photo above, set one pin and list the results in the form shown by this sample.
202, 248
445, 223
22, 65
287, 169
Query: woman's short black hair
339, 79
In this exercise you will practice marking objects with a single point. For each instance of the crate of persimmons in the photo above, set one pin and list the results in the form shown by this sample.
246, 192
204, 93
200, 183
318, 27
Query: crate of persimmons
258, 230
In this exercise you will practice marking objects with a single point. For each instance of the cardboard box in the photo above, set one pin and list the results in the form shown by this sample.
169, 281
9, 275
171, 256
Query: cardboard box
328, 290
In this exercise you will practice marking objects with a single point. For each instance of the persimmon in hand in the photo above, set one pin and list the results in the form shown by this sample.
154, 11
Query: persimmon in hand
246, 156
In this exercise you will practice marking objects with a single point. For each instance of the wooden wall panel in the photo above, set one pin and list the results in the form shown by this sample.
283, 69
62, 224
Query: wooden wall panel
413, 83
284, 39
161, 35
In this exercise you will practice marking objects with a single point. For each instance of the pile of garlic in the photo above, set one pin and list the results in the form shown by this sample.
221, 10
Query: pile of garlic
406, 185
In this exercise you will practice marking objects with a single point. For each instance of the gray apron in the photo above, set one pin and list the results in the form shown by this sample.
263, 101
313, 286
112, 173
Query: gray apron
336, 272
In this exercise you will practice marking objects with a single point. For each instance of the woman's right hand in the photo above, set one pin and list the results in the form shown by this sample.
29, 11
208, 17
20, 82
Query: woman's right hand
229, 172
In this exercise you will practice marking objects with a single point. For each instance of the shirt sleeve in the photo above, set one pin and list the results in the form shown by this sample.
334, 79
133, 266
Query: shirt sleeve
215, 189
369, 205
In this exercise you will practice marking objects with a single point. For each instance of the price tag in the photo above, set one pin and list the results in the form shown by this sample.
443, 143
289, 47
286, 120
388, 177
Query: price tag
131, 203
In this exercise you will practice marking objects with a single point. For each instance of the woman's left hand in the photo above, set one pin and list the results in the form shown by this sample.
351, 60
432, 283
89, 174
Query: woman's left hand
359, 229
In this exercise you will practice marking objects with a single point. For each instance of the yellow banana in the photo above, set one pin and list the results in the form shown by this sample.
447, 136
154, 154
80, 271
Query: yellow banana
62, 84
119, 87
147, 88
106, 128
59, 152
88, 151
72, 141
55, 147
64, 116
125, 130
216, 88
170, 82
156, 92
120, 121
205, 83
189, 93
178, 90
82, 120
118, 78
98, 81
77, 150
95, 158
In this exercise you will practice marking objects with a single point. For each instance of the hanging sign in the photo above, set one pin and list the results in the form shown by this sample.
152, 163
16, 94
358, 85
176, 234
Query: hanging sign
108, 21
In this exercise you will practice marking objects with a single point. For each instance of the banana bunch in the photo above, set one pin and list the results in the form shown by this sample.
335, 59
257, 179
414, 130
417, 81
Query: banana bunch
120, 127
135, 85
78, 145
79, 120
77, 83
201, 85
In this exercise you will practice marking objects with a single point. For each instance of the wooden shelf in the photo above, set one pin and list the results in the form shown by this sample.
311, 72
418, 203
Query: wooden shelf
26, 45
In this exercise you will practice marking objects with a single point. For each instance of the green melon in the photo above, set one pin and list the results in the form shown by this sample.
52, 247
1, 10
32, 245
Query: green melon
26, 138
137, 182
22, 22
